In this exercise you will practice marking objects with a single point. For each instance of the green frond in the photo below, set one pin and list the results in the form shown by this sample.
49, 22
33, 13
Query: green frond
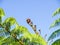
54, 34
27, 35
2, 12
56, 12
55, 23
38, 39
9, 41
32, 37
23, 29
57, 42
35, 38
20, 29
25, 32
2, 39
11, 20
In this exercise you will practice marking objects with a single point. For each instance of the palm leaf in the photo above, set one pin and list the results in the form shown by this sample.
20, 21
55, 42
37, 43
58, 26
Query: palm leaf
2, 12
57, 42
56, 12
54, 34
55, 23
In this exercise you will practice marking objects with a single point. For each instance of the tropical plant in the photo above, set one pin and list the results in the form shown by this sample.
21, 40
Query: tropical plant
19, 35
57, 32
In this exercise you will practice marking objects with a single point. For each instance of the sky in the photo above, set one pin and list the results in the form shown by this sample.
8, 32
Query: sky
39, 11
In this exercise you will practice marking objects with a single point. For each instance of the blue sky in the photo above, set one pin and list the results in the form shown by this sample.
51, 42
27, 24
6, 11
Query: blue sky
39, 11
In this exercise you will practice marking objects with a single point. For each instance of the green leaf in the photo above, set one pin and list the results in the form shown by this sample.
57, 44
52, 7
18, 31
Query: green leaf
11, 20
54, 34
56, 12
2, 12
20, 29
23, 29
57, 42
38, 39
2, 39
32, 37
55, 23
35, 38
27, 35
9, 41
25, 32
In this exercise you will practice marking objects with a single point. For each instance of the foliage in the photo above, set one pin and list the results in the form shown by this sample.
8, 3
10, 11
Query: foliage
54, 34
57, 32
57, 42
55, 23
19, 35
2, 12
57, 11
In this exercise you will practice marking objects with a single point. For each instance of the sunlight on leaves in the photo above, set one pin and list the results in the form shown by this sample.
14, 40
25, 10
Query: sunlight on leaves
2, 12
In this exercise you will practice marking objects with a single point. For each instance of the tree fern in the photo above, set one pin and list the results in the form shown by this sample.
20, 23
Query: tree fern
12, 37
2, 12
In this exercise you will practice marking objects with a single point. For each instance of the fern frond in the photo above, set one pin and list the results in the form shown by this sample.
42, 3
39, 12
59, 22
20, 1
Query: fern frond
57, 42
56, 12
11, 20
55, 23
54, 34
